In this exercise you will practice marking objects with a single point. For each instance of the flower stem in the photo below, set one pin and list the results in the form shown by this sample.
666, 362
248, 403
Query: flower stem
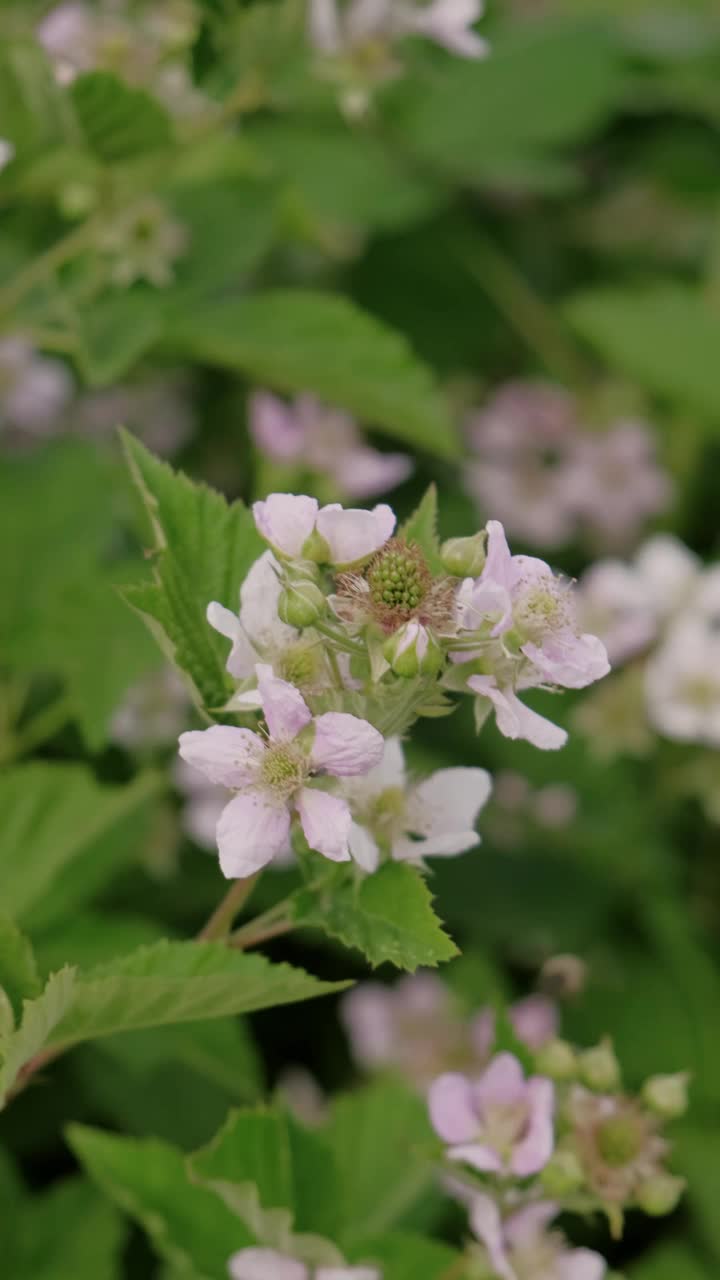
42, 726
47, 263
221, 921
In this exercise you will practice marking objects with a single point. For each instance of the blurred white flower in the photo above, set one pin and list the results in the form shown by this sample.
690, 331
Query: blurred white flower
34, 389
143, 242
338, 29
682, 683
7, 152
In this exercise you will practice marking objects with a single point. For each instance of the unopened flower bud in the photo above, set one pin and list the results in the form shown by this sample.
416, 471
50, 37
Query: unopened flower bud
464, 557
562, 1175
557, 1059
301, 604
659, 1194
599, 1067
563, 975
412, 651
667, 1095
316, 548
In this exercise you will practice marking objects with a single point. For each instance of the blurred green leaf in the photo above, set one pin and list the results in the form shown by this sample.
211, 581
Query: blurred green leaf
388, 916
203, 550
665, 335
68, 1233
697, 1157
671, 1262
19, 977
114, 331
301, 340
189, 1226
57, 823
34, 112
406, 1257
39, 1019
119, 122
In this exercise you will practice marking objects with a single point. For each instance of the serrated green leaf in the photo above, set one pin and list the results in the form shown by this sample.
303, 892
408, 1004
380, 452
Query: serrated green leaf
388, 916
422, 527
380, 1137
119, 122
19, 977
300, 340
173, 982
39, 1018
68, 1233
189, 1226
666, 335
203, 550
56, 838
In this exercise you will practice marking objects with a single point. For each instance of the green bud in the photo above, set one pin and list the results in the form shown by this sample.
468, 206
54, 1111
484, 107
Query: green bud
316, 548
464, 557
667, 1095
76, 199
557, 1059
599, 1068
302, 571
563, 1174
659, 1194
301, 604
412, 651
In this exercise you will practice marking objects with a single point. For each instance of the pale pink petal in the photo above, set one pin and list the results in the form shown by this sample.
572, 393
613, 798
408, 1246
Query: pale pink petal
499, 563
501, 1084
344, 745
286, 521
347, 1273
324, 28
242, 657
569, 660
452, 1108
363, 848
259, 596
275, 427
448, 803
484, 1159
265, 1264
534, 1020
581, 1264
326, 821
284, 707
487, 1225
251, 831
446, 846
514, 719
480, 601
228, 756
527, 1224
536, 1148
363, 473
353, 534
368, 1014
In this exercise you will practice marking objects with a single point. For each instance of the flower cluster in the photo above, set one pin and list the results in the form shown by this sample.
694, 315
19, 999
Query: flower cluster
347, 631
660, 615
566, 1139
268, 1264
550, 479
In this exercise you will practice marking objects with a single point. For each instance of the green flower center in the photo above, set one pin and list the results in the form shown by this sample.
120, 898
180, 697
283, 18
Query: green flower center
620, 1140
300, 666
543, 608
399, 579
284, 769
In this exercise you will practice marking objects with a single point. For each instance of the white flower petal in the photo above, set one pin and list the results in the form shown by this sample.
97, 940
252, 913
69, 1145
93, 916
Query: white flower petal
514, 719
345, 745
353, 534
242, 657
363, 847
286, 521
347, 1273
259, 595
448, 802
265, 1264
251, 831
486, 1222
581, 1264
226, 755
326, 821
284, 707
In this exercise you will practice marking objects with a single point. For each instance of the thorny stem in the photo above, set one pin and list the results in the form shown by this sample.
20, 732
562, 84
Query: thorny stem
221, 921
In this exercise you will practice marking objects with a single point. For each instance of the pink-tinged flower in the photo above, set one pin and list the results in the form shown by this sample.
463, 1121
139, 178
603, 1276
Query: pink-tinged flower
268, 1264
520, 1247
614, 482
447, 22
325, 440
35, 388
271, 776
256, 632
298, 528
513, 718
410, 822
414, 1027
682, 683
533, 1019
614, 602
500, 1123
152, 711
